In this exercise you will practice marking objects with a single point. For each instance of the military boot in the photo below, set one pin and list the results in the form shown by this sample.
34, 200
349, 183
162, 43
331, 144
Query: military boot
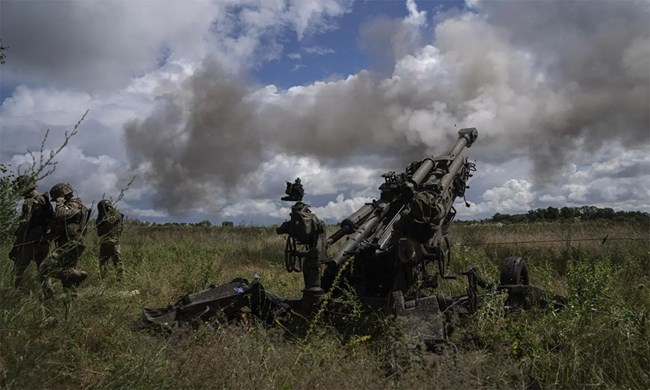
76, 276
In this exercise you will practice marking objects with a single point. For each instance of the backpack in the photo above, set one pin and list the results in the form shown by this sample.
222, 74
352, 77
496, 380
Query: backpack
422, 215
304, 226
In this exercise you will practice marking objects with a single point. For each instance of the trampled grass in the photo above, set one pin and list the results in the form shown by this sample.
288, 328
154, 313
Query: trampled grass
601, 339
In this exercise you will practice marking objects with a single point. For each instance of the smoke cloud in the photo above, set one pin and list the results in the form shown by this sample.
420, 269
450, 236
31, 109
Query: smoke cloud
595, 60
548, 80
202, 136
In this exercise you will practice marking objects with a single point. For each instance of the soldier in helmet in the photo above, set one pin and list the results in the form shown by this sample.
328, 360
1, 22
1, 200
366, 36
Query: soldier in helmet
110, 223
70, 218
35, 219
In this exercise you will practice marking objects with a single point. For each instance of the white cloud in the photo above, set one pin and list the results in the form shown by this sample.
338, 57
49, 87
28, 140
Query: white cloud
310, 17
554, 199
418, 18
248, 207
94, 45
476, 73
29, 112
513, 196
43, 106
333, 211
93, 178
319, 50
340, 208
577, 193
138, 213
318, 179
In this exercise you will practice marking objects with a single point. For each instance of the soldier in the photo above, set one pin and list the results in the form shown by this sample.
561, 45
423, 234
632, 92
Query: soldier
31, 243
70, 218
110, 223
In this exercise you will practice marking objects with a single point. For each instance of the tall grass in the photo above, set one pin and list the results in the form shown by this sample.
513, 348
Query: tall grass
97, 341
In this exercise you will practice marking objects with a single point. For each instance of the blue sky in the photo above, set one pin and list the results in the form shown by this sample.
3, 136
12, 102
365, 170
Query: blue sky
212, 105
335, 53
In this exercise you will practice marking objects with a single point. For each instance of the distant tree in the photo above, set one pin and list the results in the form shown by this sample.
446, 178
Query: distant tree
498, 217
568, 212
519, 218
227, 224
551, 214
535, 215
137, 222
605, 213
205, 224
588, 212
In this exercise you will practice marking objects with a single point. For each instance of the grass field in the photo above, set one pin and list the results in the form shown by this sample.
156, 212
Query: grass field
601, 339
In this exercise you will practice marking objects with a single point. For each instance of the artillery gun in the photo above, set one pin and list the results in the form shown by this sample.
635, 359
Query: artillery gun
393, 253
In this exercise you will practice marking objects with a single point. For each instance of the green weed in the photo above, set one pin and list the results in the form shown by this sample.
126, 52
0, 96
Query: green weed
599, 339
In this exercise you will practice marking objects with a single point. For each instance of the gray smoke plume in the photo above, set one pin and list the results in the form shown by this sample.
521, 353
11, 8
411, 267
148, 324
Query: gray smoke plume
545, 79
595, 56
201, 137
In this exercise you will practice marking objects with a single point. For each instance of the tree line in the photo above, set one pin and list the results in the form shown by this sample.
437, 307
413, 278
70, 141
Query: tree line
549, 214
202, 224
582, 213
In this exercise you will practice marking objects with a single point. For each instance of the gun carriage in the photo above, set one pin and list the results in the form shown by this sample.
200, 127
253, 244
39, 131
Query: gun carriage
393, 253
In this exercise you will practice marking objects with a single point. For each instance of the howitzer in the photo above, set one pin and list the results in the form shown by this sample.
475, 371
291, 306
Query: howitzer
406, 230
392, 252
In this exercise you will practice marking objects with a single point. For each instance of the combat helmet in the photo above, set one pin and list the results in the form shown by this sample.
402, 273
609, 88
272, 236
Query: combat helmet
104, 205
25, 183
60, 189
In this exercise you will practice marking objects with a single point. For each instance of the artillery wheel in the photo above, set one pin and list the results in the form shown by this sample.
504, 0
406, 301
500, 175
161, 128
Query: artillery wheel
444, 256
291, 260
514, 270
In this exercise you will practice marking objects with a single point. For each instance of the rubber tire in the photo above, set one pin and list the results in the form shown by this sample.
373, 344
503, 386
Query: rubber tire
514, 270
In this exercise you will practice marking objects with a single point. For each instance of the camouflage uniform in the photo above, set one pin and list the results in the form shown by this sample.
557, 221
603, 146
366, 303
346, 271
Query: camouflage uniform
70, 217
31, 243
110, 223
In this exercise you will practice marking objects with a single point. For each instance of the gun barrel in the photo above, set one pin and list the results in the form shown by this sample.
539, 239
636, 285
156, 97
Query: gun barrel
350, 223
365, 222
358, 216
362, 232
422, 172
386, 234
454, 168
466, 138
